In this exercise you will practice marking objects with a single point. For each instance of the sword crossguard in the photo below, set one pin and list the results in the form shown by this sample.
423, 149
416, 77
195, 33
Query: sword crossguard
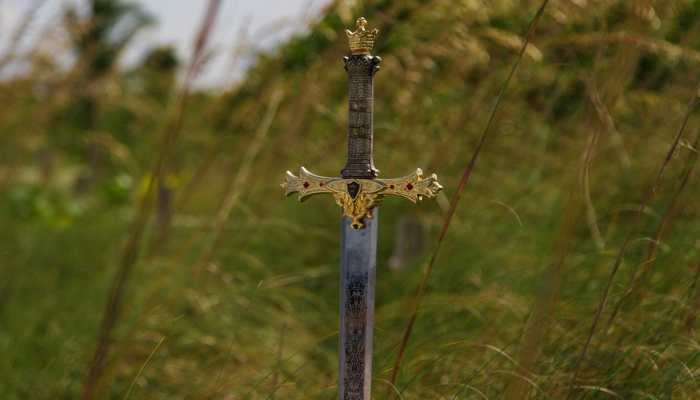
358, 197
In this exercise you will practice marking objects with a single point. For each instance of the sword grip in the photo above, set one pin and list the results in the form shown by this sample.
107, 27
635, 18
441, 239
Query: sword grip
361, 69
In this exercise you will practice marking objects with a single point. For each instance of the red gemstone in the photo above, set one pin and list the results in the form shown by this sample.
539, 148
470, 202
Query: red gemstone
321, 184
391, 186
306, 185
409, 186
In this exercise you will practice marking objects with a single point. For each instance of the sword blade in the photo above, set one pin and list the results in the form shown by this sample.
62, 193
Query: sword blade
357, 281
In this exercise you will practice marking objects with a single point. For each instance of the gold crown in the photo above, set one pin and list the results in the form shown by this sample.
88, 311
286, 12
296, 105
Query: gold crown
362, 40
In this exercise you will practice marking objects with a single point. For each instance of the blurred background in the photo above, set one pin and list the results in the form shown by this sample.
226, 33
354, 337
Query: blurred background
147, 252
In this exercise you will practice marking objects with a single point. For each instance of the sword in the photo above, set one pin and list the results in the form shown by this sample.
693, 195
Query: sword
358, 192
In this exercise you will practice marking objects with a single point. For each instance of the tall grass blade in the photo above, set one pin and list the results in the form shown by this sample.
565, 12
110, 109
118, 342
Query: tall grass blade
454, 201
650, 194
131, 250
234, 190
143, 367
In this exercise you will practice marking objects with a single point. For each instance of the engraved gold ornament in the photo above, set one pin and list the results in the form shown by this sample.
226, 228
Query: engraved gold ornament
358, 197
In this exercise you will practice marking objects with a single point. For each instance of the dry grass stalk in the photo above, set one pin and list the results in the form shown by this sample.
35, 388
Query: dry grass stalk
131, 250
694, 298
655, 46
541, 316
640, 278
608, 123
669, 214
196, 62
420, 290
184, 195
650, 194
234, 189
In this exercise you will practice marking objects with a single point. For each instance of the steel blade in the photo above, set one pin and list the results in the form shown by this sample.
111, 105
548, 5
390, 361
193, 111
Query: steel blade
357, 279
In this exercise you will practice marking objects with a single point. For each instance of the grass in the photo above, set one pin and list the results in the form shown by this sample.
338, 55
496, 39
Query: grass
528, 260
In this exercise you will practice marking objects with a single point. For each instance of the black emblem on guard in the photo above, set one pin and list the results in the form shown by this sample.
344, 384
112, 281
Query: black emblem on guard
353, 189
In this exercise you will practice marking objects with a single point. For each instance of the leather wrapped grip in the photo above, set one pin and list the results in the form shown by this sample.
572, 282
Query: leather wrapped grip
361, 70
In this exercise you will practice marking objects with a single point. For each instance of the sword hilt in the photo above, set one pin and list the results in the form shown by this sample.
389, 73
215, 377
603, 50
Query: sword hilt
359, 190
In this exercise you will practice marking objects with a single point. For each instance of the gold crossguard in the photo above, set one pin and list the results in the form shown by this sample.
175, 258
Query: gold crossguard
357, 197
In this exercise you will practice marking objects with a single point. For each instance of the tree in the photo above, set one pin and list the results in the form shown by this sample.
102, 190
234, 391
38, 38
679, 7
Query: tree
98, 39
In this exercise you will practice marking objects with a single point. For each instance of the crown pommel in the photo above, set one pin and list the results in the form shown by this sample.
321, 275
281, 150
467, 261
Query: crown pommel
361, 40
